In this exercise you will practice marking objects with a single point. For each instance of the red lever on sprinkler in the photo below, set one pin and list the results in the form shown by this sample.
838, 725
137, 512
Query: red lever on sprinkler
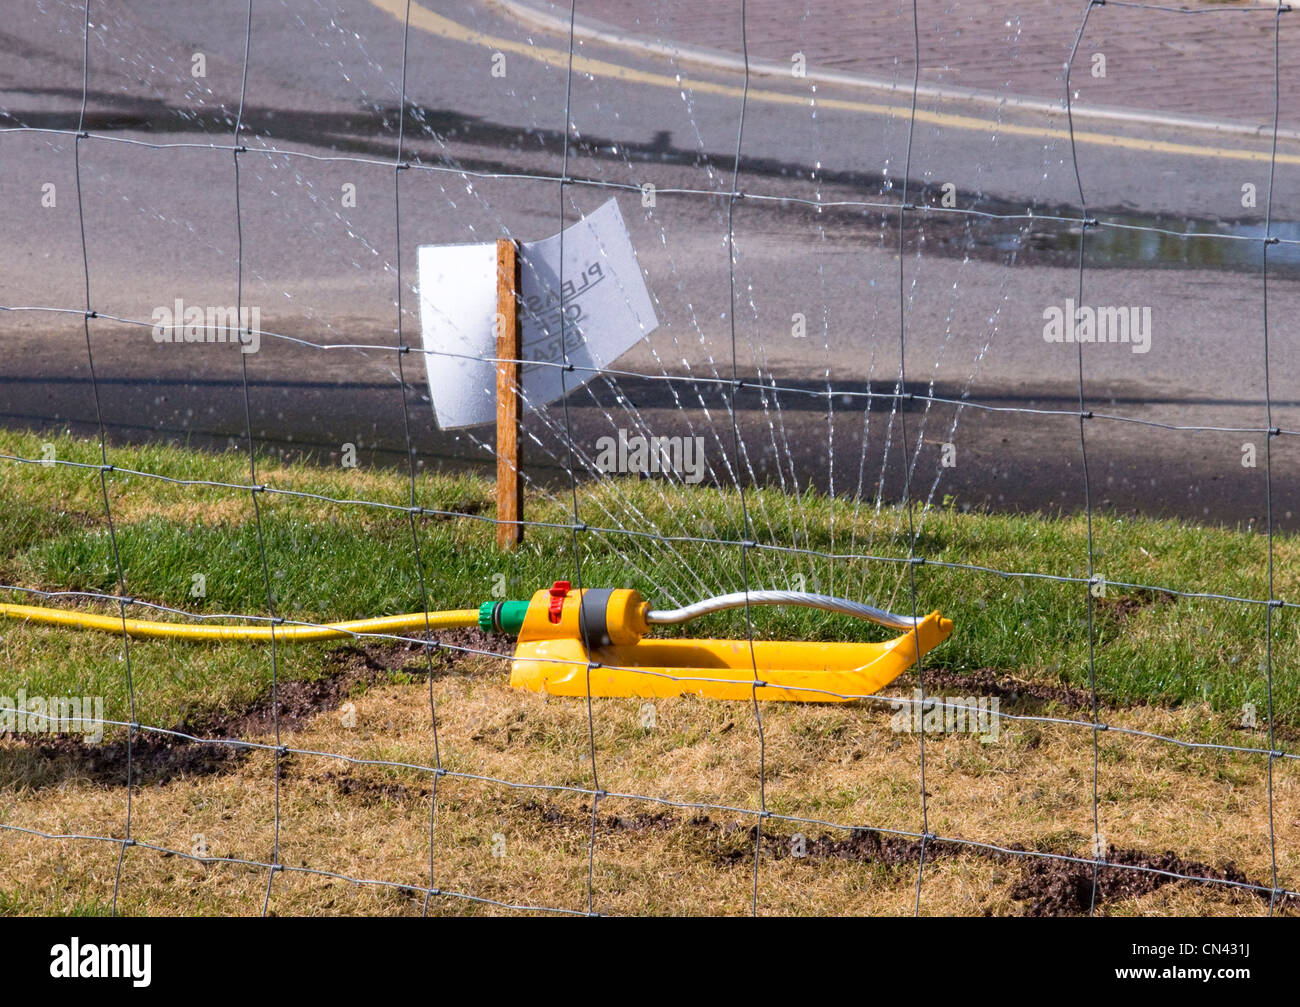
558, 590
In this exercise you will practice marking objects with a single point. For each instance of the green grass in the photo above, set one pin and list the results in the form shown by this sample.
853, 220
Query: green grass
338, 561
15, 904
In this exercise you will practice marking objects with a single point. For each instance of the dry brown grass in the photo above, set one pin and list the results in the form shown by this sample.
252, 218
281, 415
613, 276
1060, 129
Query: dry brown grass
840, 764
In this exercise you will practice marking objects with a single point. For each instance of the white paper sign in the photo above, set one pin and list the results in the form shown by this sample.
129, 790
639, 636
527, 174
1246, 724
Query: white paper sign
604, 303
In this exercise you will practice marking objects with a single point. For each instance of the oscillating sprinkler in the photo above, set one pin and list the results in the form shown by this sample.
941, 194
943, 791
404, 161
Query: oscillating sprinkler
562, 631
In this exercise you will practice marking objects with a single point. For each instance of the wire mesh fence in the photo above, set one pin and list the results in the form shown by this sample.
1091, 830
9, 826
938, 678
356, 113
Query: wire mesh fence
727, 382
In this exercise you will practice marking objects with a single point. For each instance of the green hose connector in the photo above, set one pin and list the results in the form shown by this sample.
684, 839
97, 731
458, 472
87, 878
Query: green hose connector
502, 616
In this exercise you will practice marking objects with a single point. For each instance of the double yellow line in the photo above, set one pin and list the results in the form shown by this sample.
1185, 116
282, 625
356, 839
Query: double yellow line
426, 20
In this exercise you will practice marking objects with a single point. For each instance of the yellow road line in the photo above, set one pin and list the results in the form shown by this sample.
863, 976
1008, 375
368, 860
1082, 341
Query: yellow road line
427, 20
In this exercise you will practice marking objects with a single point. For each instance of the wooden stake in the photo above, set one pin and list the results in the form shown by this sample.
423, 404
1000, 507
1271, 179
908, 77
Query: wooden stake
510, 488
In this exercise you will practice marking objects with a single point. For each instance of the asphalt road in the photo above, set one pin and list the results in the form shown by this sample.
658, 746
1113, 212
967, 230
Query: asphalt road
163, 220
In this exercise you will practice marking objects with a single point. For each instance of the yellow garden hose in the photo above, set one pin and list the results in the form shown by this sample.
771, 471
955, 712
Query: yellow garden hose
416, 621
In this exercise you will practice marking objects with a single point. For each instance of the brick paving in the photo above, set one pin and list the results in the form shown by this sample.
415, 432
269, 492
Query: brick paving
1214, 64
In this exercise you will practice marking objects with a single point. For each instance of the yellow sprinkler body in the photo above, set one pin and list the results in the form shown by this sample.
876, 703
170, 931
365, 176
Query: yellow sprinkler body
565, 630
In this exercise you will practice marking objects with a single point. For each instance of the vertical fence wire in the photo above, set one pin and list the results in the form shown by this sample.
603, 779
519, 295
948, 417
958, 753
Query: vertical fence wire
403, 350
104, 466
577, 525
737, 384
1099, 852
254, 488
902, 421
1268, 450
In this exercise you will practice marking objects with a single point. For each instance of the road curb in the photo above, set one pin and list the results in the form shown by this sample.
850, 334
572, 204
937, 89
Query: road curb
589, 29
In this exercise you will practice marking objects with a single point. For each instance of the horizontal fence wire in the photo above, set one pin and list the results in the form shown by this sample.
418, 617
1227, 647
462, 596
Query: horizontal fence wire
428, 641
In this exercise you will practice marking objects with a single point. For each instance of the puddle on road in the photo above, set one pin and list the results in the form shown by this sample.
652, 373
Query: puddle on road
1131, 240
